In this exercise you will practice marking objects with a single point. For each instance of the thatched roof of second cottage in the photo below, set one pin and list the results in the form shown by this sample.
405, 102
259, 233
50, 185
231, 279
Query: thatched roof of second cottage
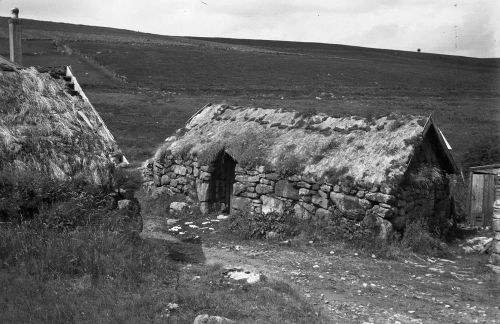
44, 128
368, 150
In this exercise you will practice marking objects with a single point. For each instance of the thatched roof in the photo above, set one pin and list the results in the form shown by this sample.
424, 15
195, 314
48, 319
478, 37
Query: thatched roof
372, 150
6, 65
44, 127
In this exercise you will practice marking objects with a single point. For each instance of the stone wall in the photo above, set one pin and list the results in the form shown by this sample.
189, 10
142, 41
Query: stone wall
175, 175
495, 254
257, 190
380, 205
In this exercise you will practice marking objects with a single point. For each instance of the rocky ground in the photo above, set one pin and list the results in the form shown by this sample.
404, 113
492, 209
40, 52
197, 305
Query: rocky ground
352, 286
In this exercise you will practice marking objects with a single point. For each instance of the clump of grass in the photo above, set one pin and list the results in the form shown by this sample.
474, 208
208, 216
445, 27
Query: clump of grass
306, 113
127, 179
289, 163
185, 151
255, 225
426, 176
332, 145
413, 141
333, 175
248, 148
397, 123
360, 147
210, 152
317, 158
24, 195
417, 238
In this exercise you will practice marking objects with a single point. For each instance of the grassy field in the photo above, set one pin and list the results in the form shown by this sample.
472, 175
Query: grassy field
169, 78
92, 276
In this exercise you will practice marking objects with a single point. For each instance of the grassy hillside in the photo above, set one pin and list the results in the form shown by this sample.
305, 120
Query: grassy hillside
169, 78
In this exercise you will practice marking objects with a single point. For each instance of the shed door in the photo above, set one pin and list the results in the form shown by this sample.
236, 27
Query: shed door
482, 199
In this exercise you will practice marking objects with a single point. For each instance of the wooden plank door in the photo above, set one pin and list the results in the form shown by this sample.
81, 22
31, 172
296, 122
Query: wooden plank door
476, 203
488, 198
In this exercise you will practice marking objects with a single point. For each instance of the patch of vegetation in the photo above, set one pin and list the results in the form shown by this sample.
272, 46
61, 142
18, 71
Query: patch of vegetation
417, 238
93, 276
127, 179
391, 151
306, 113
360, 147
317, 158
71, 262
184, 152
333, 175
422, 122
163, 152
414, 140
210, 152
425, 176
289, 163
251, 226
332, 145
63, 205
23, 195
397, 123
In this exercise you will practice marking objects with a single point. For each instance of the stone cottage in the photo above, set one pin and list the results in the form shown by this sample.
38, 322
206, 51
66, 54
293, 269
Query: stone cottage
381, 171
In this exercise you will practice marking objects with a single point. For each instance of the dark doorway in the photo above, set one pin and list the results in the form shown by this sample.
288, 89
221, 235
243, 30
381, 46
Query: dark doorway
221, 182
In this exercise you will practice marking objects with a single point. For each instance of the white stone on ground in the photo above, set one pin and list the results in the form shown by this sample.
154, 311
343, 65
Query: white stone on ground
171, 221
177, 206
241, 274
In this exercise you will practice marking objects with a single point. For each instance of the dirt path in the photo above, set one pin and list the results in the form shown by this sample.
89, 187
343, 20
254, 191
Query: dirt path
354, 288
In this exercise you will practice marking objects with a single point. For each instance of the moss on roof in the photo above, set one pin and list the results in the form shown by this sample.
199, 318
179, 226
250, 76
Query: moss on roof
44, 128
324, 147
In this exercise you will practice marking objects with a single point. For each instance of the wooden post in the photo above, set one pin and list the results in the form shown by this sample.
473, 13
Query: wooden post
16, 52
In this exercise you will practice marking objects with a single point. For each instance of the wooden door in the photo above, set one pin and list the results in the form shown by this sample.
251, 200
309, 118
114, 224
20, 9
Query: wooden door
482, 199
488, 198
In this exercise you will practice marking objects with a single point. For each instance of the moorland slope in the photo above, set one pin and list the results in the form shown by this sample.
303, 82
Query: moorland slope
146, 86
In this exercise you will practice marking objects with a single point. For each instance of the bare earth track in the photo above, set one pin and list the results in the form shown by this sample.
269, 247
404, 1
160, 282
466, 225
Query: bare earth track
350, 286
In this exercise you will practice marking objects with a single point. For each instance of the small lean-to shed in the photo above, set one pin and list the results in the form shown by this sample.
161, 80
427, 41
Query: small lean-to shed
484, 186
351, 170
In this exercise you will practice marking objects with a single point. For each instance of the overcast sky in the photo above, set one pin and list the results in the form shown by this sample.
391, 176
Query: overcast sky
459, 27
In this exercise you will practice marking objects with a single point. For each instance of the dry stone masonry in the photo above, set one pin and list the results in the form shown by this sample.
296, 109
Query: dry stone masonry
257, 190
495, 255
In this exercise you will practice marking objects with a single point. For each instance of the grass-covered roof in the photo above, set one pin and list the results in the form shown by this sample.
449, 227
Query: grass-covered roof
372, 150
44, 128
